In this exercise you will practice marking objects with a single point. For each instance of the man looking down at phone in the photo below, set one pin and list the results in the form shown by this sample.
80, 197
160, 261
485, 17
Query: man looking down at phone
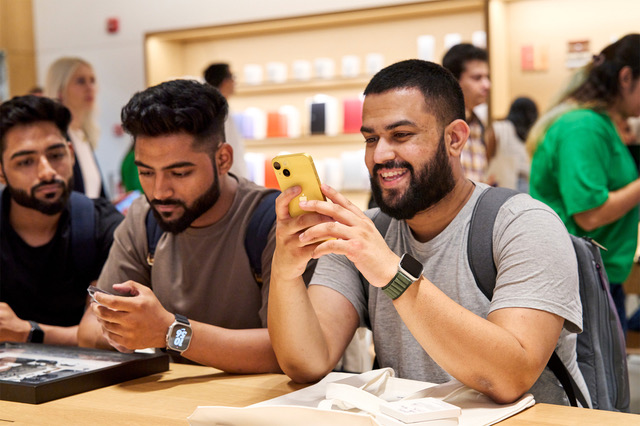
200, 298
42, 240
437, 324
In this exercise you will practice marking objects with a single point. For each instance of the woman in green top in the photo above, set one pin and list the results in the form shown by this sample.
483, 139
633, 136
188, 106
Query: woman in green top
129, 173
582, 169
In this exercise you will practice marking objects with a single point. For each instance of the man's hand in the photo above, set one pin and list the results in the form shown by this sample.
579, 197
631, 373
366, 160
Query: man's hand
135, 322
291, 255
351, 233
12, 328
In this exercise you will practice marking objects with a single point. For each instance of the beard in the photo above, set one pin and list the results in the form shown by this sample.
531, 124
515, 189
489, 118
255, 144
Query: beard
203, 203
30, 201
426, 188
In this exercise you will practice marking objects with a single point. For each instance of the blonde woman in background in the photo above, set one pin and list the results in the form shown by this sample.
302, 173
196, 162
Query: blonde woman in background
73, 82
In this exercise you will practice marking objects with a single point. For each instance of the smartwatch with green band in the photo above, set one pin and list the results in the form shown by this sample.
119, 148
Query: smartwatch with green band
409, 271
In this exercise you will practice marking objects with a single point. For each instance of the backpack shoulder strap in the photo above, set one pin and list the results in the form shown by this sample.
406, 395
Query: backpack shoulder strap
480, 254
154, 233
569, 385
480, 241
257, 234
381, 221
83, 231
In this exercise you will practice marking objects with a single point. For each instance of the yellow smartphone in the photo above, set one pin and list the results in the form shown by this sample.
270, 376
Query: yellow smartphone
298, 169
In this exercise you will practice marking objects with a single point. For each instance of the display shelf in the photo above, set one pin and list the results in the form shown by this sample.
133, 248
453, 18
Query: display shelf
314, 85
389, 32
310, 140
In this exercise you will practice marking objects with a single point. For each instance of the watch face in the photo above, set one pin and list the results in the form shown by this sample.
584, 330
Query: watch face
411, 265
180, 337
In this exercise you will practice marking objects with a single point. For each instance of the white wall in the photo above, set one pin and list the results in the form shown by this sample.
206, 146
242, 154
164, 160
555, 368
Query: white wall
78, 28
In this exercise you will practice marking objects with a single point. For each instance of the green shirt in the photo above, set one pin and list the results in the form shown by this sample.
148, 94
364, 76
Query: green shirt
581, 160
129, 173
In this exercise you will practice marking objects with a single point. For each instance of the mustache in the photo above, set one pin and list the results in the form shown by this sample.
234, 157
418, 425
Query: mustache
167, 202
48, 182
393, 164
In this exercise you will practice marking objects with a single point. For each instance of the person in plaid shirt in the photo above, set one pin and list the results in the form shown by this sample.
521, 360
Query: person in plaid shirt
469, 65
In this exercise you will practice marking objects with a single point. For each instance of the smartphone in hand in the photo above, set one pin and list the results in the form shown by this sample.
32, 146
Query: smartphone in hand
92, 290
298, 170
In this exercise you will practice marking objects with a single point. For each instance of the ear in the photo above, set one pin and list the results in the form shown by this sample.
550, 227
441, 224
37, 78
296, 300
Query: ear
456, 135
625, 78
72, 153
224, 158
3, 179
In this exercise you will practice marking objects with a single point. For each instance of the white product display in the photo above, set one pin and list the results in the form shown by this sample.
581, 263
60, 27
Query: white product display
292, 113
301, 70
426, 47
255, 167
374, 62
355, 175
451, 40
479, 39
350, 66
276, 72
324, 68
253, 74
259, 122
420, 410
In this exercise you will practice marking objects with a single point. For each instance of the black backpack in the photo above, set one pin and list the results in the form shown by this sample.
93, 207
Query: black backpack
255, 239
600, 348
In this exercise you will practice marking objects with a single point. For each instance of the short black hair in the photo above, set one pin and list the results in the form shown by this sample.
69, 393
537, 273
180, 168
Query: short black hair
29, 109
442, 94
216, 73
455, 60
178, 106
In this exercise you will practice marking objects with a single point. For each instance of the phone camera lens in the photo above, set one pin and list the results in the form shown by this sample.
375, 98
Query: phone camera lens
276, 165
286, 172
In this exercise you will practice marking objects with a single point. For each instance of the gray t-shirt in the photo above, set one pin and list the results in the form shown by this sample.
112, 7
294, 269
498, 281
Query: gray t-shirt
537, 269
202, 273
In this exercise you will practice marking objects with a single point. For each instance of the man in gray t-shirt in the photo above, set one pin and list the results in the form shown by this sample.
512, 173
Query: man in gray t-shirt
199, 297
429, 320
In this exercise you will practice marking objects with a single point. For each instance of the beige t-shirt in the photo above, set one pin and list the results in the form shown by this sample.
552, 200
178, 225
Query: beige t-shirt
202, 273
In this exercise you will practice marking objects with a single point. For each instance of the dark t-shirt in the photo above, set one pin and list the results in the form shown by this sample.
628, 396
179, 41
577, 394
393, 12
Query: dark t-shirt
41, 283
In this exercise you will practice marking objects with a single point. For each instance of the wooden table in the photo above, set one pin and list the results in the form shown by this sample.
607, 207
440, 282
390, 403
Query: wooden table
169, 398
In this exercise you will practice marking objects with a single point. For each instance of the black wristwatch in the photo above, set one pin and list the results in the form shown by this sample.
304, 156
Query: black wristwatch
409, 271
179, 335
36, 335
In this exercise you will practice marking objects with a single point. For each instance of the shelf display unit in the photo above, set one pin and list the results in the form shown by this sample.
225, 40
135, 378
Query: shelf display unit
389, 32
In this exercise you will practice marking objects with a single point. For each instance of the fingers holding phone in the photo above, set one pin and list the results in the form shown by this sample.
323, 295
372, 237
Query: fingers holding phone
135, 322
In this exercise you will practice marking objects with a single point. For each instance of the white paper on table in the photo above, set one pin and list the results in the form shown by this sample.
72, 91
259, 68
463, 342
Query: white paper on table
299, 407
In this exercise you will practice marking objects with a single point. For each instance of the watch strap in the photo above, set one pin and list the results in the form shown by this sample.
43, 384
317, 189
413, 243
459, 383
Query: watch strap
36, 334
397, 285
182, 319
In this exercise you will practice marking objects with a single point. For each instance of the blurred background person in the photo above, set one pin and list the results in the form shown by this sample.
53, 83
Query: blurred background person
219, 75
73, 82
511, 164
581, 167
469, 64
129, 173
